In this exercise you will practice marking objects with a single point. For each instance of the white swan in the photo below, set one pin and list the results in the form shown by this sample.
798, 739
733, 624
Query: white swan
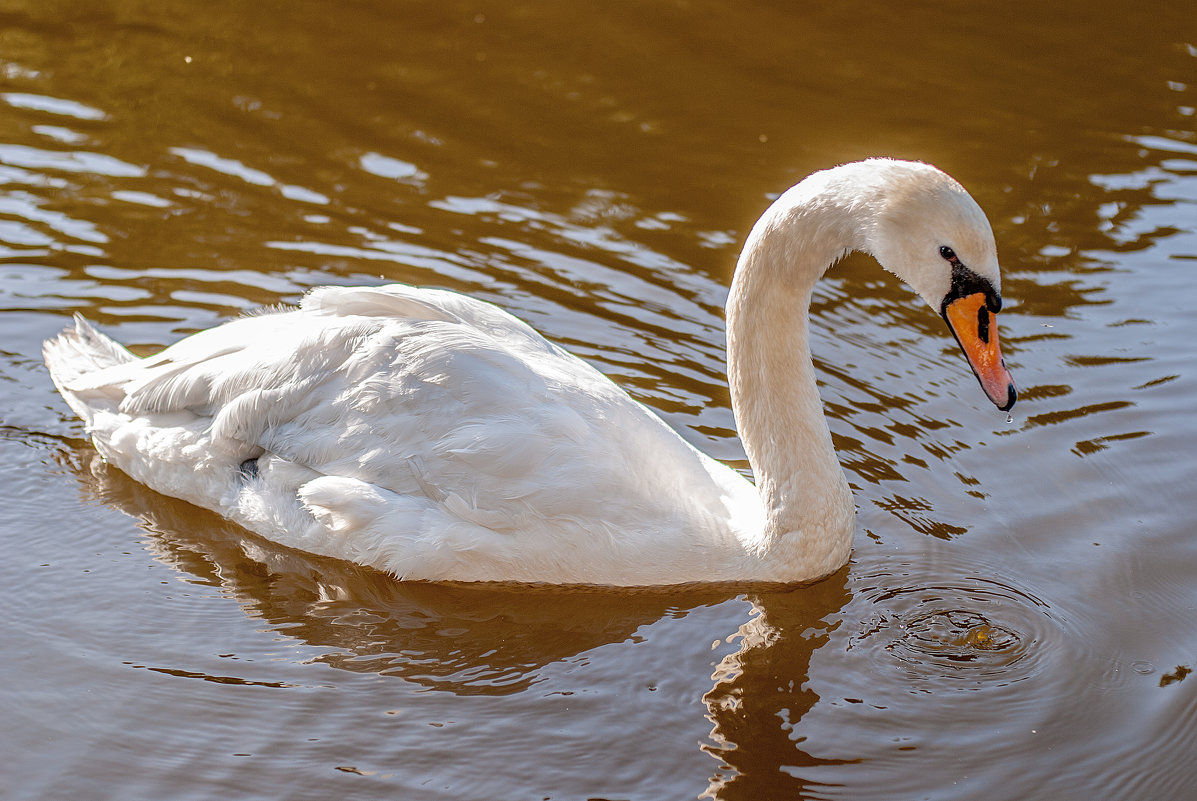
437, 437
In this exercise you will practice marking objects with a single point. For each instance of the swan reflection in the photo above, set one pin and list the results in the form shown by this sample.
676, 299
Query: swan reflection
461, 638
494, 640
784, 680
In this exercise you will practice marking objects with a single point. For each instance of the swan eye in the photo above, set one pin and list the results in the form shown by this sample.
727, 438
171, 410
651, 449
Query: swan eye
948, 254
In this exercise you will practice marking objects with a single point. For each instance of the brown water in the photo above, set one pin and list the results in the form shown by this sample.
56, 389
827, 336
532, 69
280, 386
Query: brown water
1019, 619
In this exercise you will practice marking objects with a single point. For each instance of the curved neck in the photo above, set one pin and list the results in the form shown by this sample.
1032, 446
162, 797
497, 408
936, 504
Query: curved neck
808, 505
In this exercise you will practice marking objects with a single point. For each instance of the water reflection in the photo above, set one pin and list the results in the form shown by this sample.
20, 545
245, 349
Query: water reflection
463, 639
490, 640
794, 663
763, 690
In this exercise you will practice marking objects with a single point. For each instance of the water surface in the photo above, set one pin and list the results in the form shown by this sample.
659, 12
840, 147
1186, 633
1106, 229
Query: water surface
1018, 619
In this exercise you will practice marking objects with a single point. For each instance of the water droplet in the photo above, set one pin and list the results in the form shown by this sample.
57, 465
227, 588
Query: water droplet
1009, 417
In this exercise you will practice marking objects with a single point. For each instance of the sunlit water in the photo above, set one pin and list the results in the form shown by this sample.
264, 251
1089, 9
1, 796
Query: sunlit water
1019, 619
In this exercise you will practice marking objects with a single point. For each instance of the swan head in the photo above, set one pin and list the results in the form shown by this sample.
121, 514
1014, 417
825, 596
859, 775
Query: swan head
927, 230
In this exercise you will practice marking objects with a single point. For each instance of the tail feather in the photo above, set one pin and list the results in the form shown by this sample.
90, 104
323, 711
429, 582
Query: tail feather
77, 352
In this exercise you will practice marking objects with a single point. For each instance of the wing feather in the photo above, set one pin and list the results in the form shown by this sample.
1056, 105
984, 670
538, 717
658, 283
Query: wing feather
432, 400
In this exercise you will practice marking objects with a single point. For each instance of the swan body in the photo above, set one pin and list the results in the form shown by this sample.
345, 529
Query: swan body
437, 437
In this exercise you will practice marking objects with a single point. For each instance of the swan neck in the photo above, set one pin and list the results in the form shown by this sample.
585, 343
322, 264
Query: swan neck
808, 504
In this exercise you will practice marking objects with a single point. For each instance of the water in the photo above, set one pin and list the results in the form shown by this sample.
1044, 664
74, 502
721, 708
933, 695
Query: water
1018, 618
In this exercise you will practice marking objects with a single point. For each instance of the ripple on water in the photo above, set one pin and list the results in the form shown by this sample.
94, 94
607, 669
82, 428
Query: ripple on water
964, 635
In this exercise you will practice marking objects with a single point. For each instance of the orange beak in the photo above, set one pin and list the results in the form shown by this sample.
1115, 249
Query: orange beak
975, 328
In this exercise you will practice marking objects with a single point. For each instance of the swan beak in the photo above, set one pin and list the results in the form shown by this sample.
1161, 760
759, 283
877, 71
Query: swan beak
975, 328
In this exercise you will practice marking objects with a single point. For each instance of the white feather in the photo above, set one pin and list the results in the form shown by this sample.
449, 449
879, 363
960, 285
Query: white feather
437, 437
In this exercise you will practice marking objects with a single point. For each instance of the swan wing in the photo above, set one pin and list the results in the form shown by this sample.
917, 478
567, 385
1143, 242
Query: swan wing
396, 409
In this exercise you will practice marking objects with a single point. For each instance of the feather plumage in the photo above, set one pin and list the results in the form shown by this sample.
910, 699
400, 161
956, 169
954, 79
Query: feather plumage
438, 437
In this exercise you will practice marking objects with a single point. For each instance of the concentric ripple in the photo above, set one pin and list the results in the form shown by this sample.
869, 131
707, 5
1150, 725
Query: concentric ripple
959, 635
